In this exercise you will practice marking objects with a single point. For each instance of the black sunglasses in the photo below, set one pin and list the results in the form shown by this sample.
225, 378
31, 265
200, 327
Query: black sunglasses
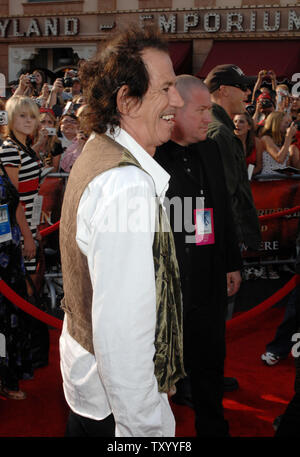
243, 87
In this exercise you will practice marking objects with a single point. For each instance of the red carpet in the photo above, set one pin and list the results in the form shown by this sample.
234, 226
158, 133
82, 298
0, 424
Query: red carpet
264, 391
263, 394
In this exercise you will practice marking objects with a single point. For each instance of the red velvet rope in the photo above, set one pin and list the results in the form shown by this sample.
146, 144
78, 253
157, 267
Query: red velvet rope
46, 231
259, 309
55, 226
28, 307
57, 323
279, 213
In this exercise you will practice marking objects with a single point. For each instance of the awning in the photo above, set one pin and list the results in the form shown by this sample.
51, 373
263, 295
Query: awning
181, 53
283, 57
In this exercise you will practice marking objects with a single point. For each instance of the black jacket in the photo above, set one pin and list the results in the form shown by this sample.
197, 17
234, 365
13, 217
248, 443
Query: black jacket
244, 212
203, 269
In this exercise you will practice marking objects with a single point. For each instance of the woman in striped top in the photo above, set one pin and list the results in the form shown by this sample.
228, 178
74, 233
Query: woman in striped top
23, 167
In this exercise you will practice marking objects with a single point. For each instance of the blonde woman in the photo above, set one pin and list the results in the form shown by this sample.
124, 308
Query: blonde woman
23, 168
276, 136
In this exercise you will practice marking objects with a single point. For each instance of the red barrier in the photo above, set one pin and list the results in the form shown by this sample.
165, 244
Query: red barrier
46, 231
28, 307
286, 212
57, 323
266, 304
52, 191
273, 200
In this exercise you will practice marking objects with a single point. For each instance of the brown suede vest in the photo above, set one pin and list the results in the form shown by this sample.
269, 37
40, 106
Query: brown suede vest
101, 154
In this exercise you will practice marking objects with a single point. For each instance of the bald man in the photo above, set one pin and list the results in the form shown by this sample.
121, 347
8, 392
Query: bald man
207, 250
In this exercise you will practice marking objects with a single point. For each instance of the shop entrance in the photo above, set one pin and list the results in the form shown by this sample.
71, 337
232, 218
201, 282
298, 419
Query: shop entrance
51, 60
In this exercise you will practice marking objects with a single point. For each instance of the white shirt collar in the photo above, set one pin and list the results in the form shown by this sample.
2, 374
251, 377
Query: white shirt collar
159, 175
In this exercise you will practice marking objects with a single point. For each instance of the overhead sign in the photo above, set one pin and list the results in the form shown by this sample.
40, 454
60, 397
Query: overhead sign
201, 21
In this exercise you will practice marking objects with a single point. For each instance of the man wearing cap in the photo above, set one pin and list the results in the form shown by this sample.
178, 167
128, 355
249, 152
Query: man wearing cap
229, 91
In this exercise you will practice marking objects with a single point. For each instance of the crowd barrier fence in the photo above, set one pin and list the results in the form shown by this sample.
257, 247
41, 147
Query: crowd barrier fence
27, 307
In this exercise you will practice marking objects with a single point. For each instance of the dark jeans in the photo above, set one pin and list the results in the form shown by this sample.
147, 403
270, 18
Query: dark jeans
204, 351
79, 426
282, 343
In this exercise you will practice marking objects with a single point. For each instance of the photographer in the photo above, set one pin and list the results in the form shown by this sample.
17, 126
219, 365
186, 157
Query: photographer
31, 85
68, 129
59, 95
277, 136
24, 83
75, 148
55, 98
264, 106
76, 87
261, 87
47, 145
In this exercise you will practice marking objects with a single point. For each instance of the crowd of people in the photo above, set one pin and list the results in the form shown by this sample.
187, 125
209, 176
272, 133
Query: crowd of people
40, 132
164, 297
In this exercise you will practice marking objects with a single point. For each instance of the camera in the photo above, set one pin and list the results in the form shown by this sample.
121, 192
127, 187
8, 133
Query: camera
32, 79
250, 109
76, 106
70, 79
38, 101
3, 118
67, 82
297, 124
51, 131
266, 103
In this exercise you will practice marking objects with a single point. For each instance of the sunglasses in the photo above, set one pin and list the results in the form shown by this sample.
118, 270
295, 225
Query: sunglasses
242, 87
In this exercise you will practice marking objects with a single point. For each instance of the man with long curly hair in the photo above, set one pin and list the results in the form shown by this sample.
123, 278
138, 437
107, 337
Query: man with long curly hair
121, 345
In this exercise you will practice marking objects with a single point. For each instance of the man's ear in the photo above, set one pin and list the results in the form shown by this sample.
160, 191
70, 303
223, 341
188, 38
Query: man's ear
223, 91
126, 104
123, 99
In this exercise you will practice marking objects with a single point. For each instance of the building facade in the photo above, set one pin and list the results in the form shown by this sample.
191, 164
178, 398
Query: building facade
54, 35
